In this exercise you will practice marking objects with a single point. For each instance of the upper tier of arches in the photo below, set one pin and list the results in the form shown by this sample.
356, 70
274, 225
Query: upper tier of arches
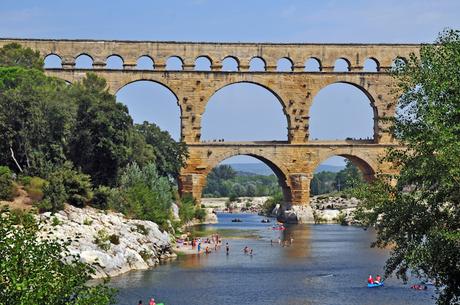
294, 56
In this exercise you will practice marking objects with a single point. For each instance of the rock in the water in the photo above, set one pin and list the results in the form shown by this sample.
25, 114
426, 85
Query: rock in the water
296, 214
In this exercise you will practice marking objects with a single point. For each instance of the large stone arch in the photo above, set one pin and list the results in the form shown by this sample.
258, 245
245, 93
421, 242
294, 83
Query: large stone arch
166, 88
265, 85
361, 87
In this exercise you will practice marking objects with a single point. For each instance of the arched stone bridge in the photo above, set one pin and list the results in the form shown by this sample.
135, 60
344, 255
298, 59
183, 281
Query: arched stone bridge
293, 161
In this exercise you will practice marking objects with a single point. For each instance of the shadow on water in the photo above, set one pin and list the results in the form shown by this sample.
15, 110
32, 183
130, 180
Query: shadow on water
324, 264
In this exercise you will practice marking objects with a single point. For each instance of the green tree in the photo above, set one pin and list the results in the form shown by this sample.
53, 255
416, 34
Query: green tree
169, 155
14, 55
420, 216
100, 141
36, 119
143, 194
32, 270
349, 177
6, 183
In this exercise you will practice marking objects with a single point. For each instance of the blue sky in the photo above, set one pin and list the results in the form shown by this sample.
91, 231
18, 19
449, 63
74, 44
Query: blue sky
230, 113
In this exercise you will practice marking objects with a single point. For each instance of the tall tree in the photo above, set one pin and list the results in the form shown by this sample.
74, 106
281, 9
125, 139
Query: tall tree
420, 216
36, 118
100, 141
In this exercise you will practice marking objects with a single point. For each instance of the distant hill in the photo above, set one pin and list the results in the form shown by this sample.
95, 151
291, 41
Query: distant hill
246, 169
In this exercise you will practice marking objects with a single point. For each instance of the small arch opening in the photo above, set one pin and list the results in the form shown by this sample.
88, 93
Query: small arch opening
313, 64
230, 64
84, 61
203, 63
257, 64
145, 63
398, 63
174, 63
52, 61
284, 65
341, 65
371, 65
114, 62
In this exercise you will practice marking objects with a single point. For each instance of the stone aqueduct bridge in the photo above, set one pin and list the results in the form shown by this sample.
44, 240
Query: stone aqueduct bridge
294, 160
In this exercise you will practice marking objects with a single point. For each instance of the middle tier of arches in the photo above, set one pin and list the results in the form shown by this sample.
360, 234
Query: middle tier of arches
295, 93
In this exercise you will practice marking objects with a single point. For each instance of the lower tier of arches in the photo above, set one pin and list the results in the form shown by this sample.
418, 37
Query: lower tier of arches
293, 164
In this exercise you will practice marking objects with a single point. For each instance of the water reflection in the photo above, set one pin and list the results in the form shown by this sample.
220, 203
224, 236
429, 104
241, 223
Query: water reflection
297, 239
325, 264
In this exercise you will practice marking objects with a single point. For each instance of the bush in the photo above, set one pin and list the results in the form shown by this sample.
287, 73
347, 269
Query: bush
6, 183
102, 240
145, 254
103, 197
144, 195
271, 203
54, 195
187, 209
114, 239
200, 214
34, 187
65, 184
142, 229
26, 280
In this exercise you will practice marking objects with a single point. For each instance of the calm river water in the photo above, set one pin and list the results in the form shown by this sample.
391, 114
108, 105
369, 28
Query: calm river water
326, 264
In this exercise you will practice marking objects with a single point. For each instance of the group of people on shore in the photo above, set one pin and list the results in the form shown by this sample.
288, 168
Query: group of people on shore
284, 243
214, 242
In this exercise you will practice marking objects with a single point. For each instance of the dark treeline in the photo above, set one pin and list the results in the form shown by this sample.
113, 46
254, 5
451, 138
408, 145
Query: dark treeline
224, 181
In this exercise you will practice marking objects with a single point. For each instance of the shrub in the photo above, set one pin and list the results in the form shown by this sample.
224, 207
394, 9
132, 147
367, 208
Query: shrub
6, 183
103, 197
55, 221
87, 222
114, 239
200, 214
34, 187
142, 229
54, 195
342, 219
102, 240
271, 203
65, 184
187, 208
145, 254
145, 195
26, 280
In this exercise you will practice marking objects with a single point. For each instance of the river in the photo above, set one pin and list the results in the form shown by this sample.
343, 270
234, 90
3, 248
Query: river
326, 264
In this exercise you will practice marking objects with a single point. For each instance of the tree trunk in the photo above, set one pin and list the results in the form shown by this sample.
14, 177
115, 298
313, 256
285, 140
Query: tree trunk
14, 158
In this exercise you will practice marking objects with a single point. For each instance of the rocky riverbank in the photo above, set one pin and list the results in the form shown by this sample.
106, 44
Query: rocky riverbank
110, 241
322, 209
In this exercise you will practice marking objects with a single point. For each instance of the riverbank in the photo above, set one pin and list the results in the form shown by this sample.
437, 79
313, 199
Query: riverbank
112, 243
325, 209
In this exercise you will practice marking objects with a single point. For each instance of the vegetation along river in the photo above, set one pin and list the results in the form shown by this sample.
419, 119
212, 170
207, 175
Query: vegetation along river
326, 264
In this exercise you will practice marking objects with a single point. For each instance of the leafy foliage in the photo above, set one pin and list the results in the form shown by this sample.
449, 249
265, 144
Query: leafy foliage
223, 181
420, 215
143, 194
32, 270
14, 54
66, 185
99, 143
328, 182
169, 155
6, 183
271, 202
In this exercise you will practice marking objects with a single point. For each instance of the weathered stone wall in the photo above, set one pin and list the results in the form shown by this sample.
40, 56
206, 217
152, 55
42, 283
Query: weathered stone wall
293, 161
